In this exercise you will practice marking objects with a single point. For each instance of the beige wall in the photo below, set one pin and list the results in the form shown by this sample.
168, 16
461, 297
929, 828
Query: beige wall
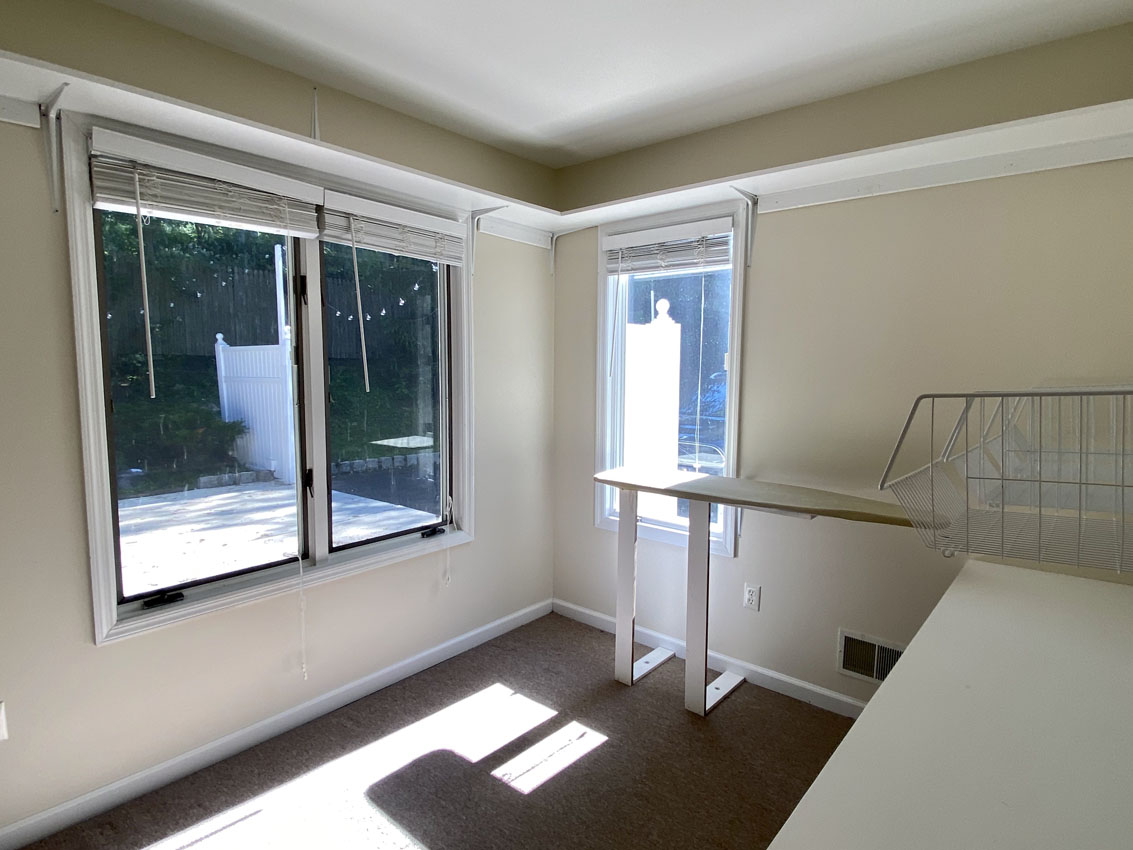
852, 310
1074, 72
96, 39
81, 716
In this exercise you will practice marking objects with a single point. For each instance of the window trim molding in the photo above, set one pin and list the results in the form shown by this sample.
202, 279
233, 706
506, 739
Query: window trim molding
113, 621
88, 352
608, 387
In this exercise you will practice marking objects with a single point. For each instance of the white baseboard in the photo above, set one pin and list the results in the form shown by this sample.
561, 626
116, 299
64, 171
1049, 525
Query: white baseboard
101, 799
788, 685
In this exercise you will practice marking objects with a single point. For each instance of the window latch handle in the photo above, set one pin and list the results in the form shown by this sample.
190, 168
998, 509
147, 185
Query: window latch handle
163, 598
309, 482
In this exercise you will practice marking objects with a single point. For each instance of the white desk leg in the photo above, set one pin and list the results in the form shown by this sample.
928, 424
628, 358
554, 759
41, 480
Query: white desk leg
626, 586
701, 697
696, 612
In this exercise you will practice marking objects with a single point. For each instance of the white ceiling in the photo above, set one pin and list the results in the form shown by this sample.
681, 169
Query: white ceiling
563, 83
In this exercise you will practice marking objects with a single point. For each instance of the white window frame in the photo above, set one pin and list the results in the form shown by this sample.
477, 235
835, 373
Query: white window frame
610, 389
113, 621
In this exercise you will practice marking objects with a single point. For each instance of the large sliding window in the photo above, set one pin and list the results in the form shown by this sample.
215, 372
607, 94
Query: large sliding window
668, 351
274, 363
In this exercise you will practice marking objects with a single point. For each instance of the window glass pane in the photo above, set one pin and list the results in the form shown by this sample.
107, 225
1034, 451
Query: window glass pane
204, 473
386, 445
676, 377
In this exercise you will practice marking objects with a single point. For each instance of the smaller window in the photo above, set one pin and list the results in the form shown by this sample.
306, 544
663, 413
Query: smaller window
669, 315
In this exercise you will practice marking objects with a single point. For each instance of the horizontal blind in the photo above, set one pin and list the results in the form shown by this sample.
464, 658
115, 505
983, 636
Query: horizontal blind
671, 256
408, 240
188, 197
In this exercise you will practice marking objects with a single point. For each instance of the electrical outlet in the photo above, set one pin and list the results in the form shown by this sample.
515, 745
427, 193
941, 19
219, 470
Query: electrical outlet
752, 592
3, 722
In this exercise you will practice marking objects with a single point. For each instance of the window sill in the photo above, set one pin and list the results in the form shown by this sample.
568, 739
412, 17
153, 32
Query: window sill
282, 579
646, 530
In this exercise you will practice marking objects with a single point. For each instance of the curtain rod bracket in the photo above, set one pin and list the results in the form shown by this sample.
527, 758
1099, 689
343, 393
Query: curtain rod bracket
49, 113
474, 227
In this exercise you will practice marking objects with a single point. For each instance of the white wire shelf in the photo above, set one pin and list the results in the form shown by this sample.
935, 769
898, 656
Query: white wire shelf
1038, 475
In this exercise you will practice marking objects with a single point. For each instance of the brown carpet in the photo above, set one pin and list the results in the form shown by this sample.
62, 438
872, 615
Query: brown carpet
664, 778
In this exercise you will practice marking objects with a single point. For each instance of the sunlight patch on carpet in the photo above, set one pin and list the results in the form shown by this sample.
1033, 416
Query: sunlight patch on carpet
553, 754
328, 806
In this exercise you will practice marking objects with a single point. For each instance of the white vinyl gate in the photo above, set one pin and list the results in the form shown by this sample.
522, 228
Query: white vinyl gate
255, 386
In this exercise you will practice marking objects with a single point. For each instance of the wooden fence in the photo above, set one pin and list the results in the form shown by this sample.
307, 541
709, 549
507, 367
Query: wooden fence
190, 306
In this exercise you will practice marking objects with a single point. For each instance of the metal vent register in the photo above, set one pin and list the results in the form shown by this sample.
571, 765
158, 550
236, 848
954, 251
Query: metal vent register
1038, 475
866, 657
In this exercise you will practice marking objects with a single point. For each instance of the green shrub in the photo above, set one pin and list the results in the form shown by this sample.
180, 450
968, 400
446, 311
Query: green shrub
177, 436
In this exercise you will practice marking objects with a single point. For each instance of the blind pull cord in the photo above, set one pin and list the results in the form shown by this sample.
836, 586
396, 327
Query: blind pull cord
145, 284
361, 315
289, 243
446, 573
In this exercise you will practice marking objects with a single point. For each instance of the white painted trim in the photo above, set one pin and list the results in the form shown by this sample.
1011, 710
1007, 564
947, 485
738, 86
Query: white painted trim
950, 173
88, 357
462, 386
817, 695
22, 112
515, 231
101, 799
742, 251
240, 590
340, 202
1057, 140
311, 338
113, 143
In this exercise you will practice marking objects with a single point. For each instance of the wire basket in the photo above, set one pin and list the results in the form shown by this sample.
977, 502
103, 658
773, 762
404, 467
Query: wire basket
1037, 475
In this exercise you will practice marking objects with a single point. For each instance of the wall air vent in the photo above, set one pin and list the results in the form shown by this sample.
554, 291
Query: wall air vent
866, 657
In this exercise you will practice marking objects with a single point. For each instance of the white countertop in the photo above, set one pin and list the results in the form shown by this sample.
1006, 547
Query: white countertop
757, 495
1008, 723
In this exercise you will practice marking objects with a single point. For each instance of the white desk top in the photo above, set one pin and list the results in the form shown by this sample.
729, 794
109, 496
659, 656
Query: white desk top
757, 495
1008, 724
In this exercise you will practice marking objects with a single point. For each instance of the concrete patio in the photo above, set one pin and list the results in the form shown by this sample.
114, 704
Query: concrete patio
177, 538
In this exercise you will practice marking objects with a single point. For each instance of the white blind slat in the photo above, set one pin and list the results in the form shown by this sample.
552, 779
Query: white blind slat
188, 197
667, 233
679, 254
392, 237
365, 208
115, 145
